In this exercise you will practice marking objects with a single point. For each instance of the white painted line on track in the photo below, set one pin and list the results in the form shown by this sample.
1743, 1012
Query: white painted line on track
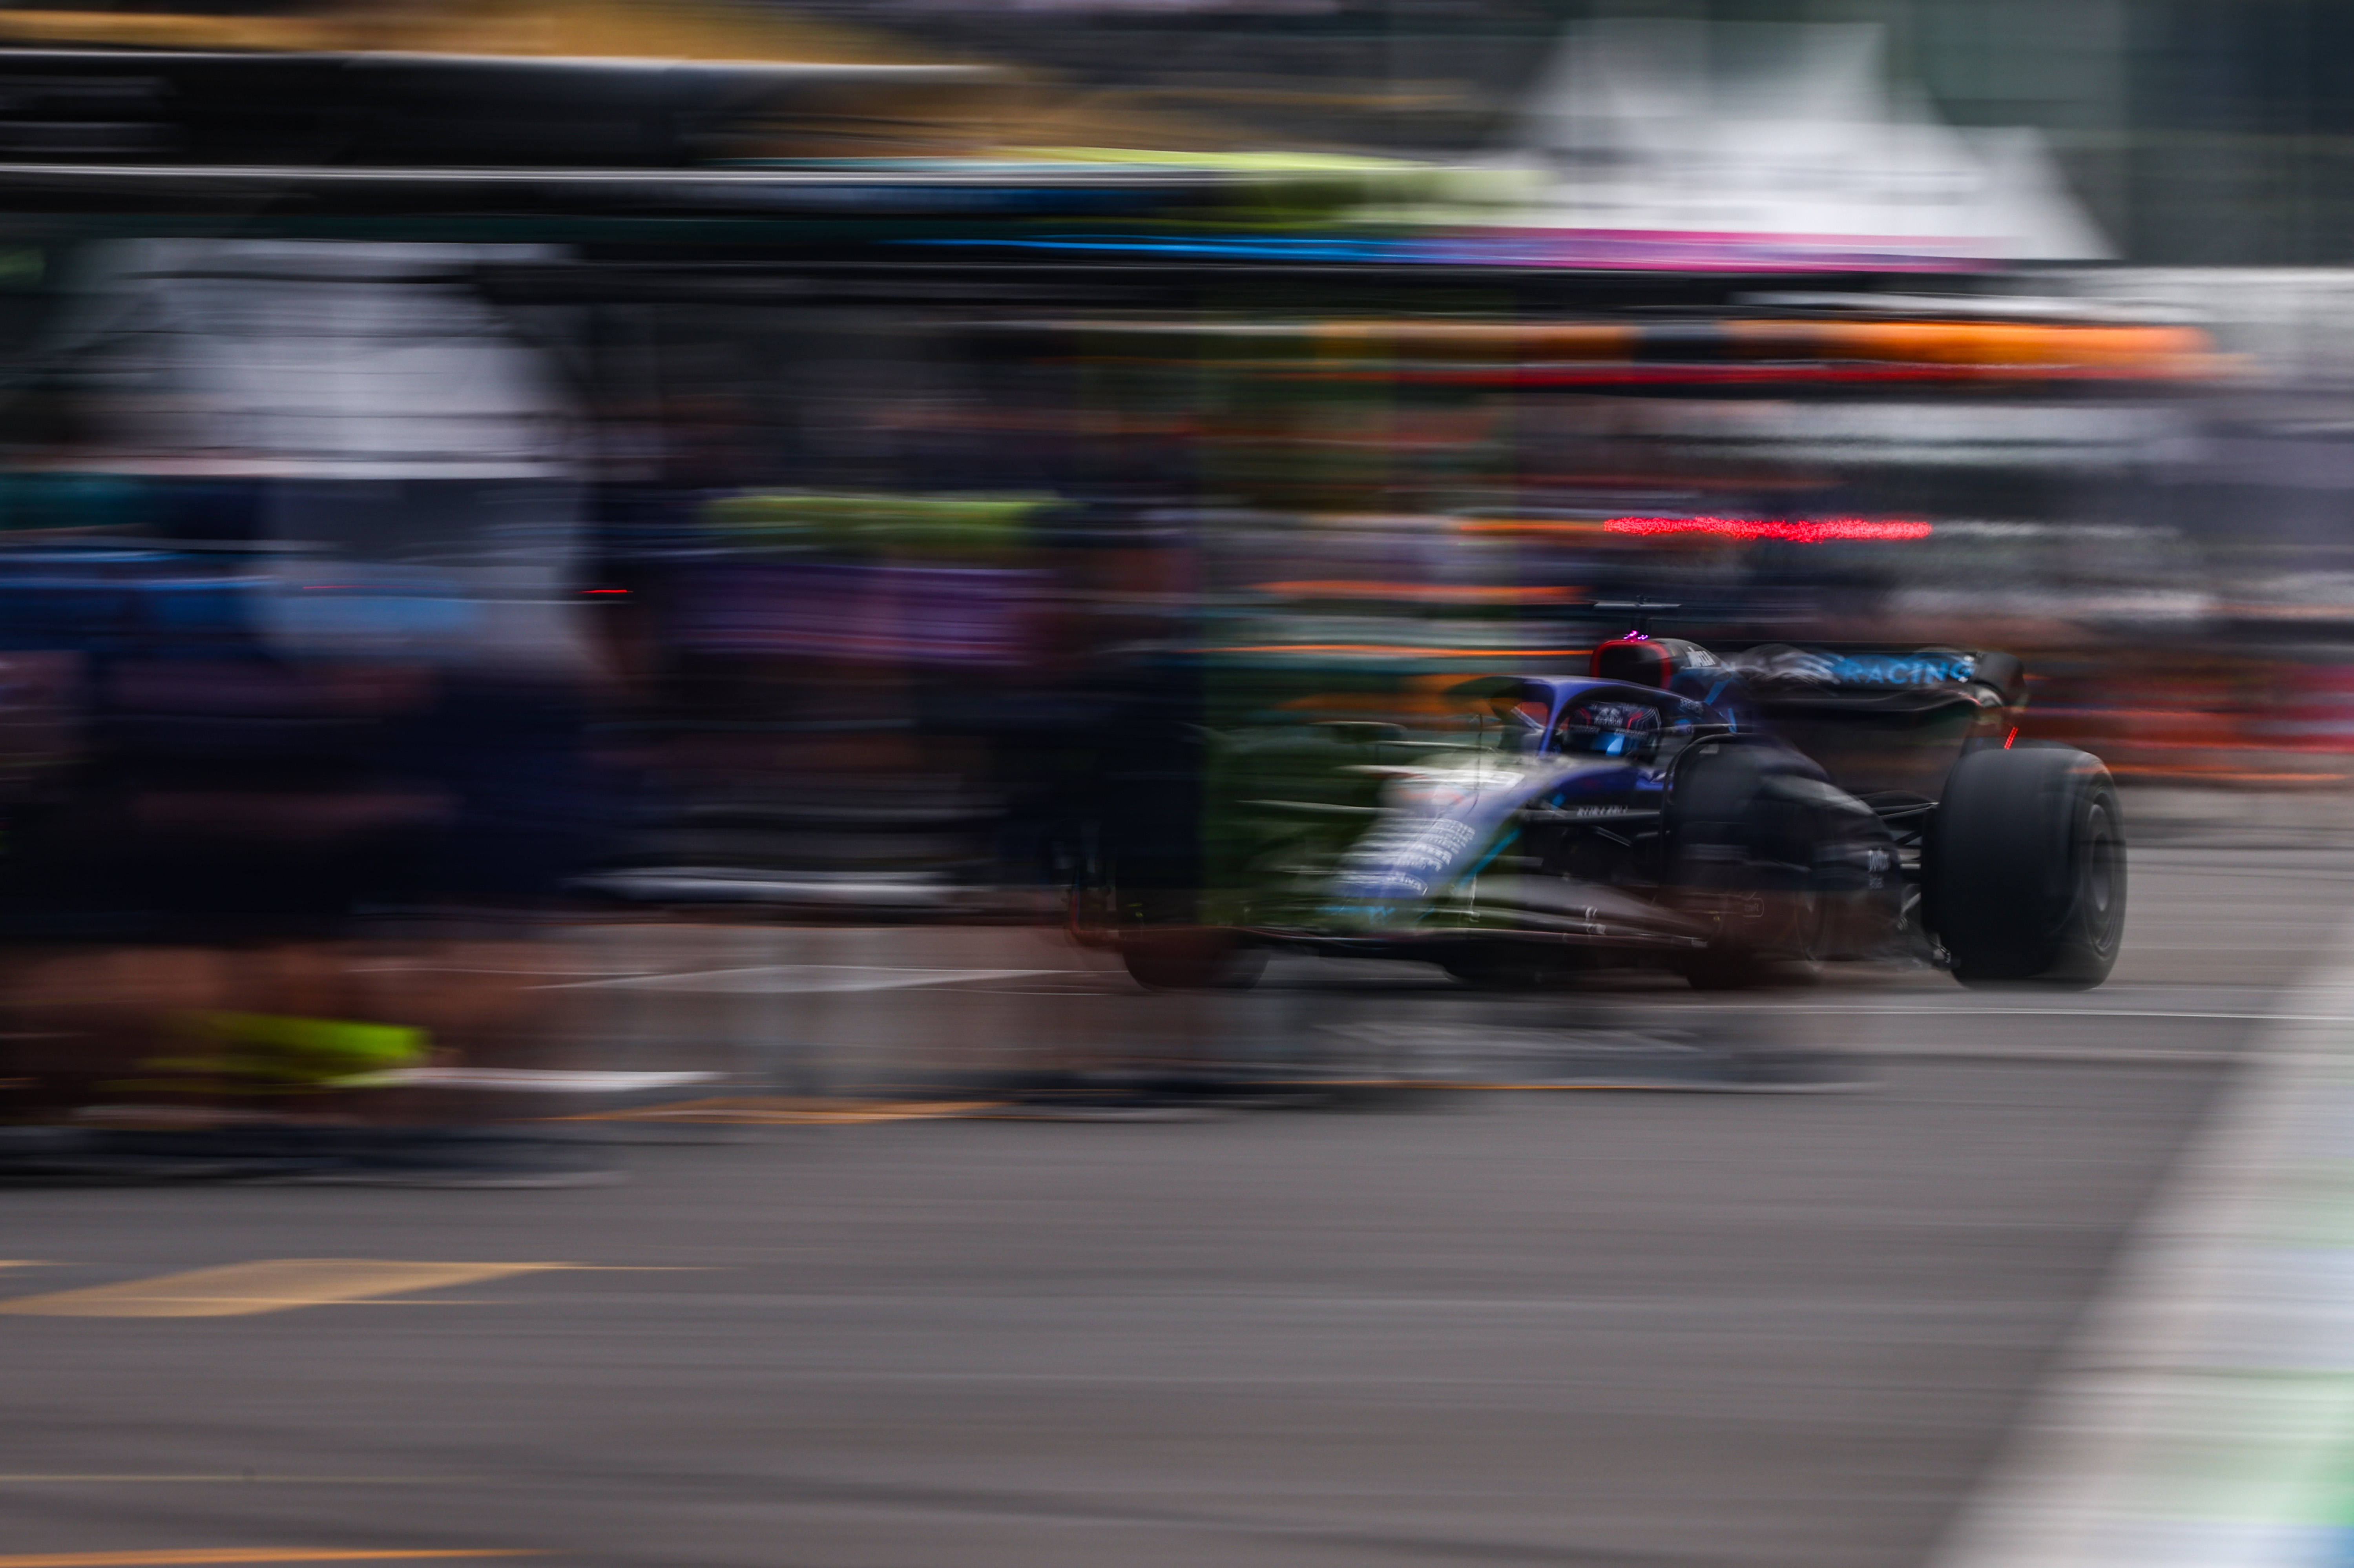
2202, 1413
797, 978
2115, 1056
1952, 1011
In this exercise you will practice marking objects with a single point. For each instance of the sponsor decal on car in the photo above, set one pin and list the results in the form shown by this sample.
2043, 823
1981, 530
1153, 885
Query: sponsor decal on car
1401, 859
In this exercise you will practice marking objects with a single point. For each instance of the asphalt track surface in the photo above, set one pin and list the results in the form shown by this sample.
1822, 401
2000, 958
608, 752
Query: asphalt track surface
1541, 1324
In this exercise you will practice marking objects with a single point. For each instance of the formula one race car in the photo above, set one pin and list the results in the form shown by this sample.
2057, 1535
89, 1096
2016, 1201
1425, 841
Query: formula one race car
1733, 818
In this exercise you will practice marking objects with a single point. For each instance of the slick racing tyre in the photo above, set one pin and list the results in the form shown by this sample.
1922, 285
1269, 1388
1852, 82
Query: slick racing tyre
1191, 957
2024, 873
1507, 967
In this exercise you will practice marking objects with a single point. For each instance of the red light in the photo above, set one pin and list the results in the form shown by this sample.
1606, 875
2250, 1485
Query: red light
604, 591
1812, 532
2011, 737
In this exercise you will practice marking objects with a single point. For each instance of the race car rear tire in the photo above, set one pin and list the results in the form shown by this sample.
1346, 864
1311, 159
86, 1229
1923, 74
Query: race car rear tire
1191, 957
2024, 871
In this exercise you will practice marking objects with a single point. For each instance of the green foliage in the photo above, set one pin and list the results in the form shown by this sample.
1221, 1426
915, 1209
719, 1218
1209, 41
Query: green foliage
962, 527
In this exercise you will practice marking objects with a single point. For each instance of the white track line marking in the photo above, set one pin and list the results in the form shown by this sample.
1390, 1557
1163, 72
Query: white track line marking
2054, 1012
2115, 1056
800, 979
2201, 1415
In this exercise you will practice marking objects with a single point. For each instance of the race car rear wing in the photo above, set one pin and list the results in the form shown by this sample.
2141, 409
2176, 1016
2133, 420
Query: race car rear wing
1781, 671
1887, 724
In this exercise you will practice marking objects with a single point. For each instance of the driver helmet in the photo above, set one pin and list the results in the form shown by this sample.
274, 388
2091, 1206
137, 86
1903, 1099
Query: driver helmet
1609, 729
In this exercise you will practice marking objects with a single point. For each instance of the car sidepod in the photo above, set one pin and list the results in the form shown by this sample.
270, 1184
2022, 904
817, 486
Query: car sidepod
1776, 860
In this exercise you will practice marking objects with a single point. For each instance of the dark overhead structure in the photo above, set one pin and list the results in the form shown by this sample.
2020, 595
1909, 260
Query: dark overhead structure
196, 108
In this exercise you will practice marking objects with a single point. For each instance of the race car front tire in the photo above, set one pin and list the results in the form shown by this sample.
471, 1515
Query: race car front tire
1727, 966
1506, 967
1191, 957
2024, 871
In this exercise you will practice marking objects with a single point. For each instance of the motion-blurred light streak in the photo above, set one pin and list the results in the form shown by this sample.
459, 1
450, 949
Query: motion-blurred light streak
1788, 532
